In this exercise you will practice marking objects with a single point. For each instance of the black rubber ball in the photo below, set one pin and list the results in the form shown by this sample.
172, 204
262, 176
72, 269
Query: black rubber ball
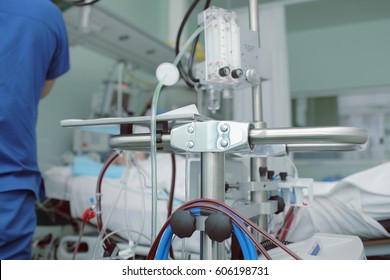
218, 227
182, 223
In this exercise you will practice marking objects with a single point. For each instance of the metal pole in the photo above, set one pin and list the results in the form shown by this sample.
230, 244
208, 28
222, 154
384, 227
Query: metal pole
119, 100
257, 104
256, 90
212, 186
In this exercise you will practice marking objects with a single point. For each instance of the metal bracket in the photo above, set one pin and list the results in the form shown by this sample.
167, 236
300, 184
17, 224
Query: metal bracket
211, 136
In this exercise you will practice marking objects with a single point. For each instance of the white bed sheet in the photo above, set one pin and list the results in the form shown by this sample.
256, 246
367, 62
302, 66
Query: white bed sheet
350, 206
136, 198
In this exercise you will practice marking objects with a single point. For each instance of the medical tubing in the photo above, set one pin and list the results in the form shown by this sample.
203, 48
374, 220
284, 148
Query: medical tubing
246, 221
123, 182
193, 49
134, 160
166, 240
76, 248
288, 220
173, 182
177, 45
153, 158
164, 244
233, 218
105, 225
155, 245
187, 43
243, 243
248, 249
172, 194
99, 219
125, 230
168, 244
153, 248
153, 133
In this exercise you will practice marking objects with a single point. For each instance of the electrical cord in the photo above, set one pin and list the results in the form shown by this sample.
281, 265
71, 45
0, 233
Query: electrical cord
177, 46
172, 194
82, 3
173, 182
193, 49
188, 77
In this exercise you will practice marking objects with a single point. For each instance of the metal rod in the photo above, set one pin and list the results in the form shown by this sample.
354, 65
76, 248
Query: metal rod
297, 139
313, 135
212, 186
257, 111
257, 101
139, 142
119, 100
254, 17
324, 147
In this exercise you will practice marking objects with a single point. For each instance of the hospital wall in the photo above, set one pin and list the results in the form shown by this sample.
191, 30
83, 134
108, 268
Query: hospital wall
71, 96
340, 49
328, 60
69, 99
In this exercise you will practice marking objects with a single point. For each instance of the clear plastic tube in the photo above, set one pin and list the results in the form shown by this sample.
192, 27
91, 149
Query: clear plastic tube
105, 224
153, 134
134, 160
123, 183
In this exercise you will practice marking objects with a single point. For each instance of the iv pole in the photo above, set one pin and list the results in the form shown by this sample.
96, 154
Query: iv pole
258, 122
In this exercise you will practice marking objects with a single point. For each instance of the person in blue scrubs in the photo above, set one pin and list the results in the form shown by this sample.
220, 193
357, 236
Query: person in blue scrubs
33, 53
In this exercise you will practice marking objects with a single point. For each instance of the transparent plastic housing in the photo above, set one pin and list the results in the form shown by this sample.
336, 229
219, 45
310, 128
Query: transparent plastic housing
222, 45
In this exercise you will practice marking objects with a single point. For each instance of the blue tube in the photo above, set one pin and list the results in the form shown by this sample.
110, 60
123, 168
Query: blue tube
241, 240
162, 251
165, 243
251, 247
247, 246
195, 211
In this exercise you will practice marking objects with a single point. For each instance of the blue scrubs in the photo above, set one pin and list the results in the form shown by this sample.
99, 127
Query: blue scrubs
33, 49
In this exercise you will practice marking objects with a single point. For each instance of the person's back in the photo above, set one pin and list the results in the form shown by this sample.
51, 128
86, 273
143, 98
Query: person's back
33, 51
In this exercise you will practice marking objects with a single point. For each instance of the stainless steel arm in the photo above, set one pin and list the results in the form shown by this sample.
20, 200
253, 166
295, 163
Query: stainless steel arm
139, 142
296, 139
315, 135
325, 147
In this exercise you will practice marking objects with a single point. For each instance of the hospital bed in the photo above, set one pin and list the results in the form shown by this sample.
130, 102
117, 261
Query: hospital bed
126, 209
356, 205
352, 206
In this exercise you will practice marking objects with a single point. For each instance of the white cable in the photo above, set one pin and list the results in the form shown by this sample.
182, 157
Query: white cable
143, 183
153, 144
105, 224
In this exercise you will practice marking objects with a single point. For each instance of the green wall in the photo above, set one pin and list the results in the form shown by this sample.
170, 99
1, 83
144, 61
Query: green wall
344, 52
69, 99
71, 96
149, 15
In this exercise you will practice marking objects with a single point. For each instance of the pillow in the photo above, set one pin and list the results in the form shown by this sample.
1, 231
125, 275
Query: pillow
84, 166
